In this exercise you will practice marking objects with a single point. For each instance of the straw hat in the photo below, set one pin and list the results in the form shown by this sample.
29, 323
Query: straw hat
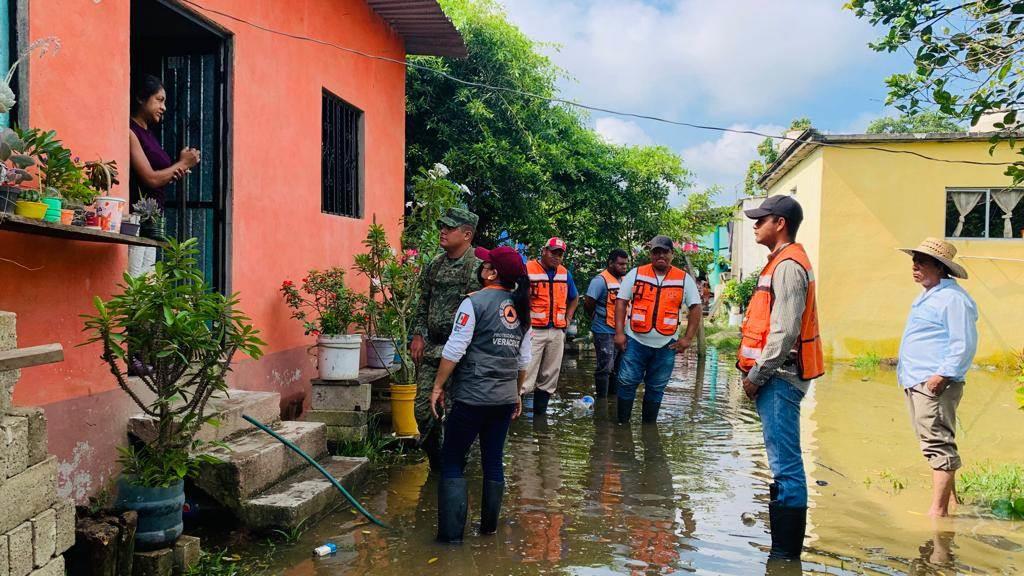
942, 251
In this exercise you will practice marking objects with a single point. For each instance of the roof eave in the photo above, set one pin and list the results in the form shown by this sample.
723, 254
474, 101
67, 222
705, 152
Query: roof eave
423, 25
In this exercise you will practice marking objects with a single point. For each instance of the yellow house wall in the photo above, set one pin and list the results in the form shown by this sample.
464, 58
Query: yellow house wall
869, 203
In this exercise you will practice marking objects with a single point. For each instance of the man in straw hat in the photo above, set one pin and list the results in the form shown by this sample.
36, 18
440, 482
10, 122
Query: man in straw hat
936, 351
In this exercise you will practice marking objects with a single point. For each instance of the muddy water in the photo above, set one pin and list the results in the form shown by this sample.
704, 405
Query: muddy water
689, 495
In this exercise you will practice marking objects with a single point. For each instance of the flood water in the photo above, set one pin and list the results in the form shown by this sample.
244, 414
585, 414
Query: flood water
690, 494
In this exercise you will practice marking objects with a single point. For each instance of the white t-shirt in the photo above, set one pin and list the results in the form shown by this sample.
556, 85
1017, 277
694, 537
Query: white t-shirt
462, 335
655, 339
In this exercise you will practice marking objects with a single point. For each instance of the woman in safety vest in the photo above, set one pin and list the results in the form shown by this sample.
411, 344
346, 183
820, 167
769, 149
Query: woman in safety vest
486, 355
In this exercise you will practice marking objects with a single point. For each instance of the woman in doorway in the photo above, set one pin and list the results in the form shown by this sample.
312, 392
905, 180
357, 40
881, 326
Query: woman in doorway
151, 168
486, 355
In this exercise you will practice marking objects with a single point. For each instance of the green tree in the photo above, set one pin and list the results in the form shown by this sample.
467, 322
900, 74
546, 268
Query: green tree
928, 121
967, 57
534, 168
768, 153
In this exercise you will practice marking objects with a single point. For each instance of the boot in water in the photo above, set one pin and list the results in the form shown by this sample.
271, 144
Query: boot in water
787, 526
540, 402
451, 510
490, 506
625, 410
649, 412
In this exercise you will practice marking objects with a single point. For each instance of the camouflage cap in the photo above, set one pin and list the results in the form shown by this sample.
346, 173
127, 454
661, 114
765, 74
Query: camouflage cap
459, 217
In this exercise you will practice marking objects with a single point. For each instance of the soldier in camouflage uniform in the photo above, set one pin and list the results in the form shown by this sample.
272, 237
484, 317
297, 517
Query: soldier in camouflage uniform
443, 285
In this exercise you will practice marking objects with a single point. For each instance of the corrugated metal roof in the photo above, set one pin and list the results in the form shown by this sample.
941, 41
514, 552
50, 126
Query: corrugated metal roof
423, 25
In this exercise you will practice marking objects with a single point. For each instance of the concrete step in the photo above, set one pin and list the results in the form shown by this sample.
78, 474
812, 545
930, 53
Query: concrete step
305, 496
255, 461
263, 406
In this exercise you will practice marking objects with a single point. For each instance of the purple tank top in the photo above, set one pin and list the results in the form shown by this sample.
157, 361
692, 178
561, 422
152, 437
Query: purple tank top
158, 159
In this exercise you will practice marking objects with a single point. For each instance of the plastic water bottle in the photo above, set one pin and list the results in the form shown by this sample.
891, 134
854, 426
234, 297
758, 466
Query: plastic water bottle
325, 550
583, 406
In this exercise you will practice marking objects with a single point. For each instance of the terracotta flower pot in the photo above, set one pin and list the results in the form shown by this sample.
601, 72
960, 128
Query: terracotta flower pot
67, 216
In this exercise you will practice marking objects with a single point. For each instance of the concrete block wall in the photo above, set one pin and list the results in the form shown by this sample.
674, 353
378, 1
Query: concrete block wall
36, 528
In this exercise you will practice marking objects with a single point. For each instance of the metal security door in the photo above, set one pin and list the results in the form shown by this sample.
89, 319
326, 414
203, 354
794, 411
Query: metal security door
195, 205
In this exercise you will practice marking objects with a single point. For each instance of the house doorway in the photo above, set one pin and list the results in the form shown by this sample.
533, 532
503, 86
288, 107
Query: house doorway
192, 57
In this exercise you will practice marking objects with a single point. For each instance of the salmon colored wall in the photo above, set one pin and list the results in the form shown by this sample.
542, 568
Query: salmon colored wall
278, 229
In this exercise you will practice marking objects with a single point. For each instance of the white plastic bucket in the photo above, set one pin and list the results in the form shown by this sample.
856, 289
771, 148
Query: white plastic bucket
112, 209
380, 352
338, 356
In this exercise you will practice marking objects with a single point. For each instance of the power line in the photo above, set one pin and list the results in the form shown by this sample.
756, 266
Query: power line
555, 99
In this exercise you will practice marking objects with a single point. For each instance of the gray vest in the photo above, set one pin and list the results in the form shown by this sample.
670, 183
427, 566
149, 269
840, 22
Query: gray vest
488, 373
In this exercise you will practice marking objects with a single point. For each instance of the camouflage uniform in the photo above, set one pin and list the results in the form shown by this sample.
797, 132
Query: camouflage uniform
443, 285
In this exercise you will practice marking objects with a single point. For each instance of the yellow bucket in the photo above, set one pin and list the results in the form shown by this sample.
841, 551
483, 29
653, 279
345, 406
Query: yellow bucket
403, 413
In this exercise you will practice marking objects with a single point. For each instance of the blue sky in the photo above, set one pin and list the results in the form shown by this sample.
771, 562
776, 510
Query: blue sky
753, 64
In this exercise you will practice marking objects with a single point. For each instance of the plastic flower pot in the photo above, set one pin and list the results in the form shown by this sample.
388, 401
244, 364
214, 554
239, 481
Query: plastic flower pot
129, 229
153, 230
112, 209
33, 210
338, 356
52, 209
403, 414
159, 511
380, 352
67, 216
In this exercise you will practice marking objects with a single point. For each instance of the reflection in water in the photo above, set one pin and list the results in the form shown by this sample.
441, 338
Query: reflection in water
586, 496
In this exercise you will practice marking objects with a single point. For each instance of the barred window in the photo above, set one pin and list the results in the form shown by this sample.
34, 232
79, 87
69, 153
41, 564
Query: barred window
341, 158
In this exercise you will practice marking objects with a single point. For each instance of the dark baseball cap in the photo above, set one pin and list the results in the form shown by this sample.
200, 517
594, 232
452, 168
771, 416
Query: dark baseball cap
778, 205
505, 260
456, 217
661, 241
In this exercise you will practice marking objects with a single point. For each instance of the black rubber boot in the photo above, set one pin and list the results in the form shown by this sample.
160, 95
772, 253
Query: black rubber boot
649, 412
540, 402
625, 410
490, 507
601, 386
451, 509
773, 492
432, 446
788, 526
613, 384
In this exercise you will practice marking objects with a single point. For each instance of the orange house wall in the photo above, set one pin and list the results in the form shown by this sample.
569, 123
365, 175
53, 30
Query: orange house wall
278, 230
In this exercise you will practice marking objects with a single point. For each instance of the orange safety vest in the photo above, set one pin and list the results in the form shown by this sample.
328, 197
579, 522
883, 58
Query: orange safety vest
656, 306
757, 322
549, 297
613, 290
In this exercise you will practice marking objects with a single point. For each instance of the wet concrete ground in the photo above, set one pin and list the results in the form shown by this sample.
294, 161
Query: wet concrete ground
689, 495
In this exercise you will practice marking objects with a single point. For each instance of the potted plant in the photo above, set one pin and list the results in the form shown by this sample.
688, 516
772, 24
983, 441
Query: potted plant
13, 164
30, 204
60, 176
327, 308
100, 177
184, 335
395, 279
130, 225
380, 325
151, 218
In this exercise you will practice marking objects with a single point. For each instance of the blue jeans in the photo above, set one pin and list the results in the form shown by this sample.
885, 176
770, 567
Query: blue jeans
652, 366
778, 405
464, 423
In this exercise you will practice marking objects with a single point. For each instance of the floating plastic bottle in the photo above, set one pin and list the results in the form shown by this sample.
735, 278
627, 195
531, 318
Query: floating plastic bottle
583, 406
325, 550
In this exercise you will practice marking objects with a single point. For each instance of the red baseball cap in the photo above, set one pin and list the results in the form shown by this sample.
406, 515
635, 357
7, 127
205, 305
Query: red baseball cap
505, 260
555, 243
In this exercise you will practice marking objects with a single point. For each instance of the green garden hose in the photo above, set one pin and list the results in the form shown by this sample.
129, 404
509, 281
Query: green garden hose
317, 465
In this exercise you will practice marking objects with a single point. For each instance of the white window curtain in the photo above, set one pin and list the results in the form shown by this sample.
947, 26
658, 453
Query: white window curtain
1007, 201
965, 201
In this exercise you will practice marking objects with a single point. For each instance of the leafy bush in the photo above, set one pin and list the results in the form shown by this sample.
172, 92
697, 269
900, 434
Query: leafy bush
181, 335
325, 305
740, 292
867, 361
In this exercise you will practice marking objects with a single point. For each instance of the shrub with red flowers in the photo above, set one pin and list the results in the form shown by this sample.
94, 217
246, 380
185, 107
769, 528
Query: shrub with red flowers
323, 303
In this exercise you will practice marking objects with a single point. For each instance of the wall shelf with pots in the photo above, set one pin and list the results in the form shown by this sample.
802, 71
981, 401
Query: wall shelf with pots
14, 223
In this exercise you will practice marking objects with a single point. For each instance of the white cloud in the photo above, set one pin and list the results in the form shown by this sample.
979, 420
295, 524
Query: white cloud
623, 132
724, 161
739, 58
